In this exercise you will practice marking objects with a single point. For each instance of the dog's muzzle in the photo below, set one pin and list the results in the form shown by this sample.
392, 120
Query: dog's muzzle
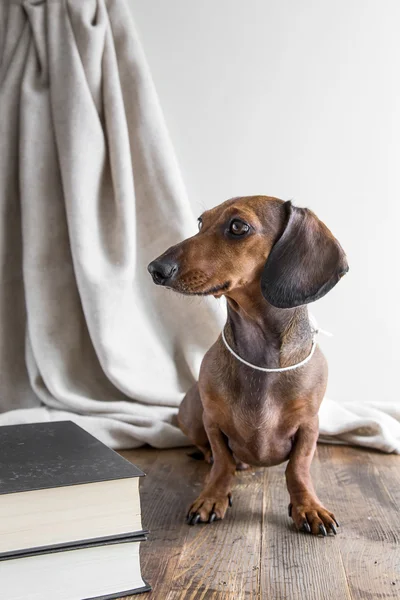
162, 271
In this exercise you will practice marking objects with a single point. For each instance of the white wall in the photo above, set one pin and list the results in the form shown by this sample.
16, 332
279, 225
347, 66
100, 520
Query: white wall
298, 99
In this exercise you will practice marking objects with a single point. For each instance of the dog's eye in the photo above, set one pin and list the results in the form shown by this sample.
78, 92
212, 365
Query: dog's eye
200, 222
238, 227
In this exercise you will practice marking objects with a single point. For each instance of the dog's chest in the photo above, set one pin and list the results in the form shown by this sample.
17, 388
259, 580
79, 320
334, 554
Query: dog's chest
261, 441
261, 423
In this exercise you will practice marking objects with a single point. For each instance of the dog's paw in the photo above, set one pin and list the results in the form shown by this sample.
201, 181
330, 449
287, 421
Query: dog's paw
312, 517
207, 509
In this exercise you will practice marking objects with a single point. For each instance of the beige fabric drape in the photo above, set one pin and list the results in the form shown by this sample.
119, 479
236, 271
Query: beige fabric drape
90, 193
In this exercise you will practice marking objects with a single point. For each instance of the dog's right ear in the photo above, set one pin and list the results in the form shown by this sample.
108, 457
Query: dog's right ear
305, 263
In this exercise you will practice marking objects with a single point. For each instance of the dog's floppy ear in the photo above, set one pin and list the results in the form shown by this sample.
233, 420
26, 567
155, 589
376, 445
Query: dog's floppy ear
304, 264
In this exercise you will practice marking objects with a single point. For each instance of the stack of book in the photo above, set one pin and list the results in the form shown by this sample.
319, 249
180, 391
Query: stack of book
70, 522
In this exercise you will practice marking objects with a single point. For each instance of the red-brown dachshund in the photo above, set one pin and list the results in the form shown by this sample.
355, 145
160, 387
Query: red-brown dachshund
269, 259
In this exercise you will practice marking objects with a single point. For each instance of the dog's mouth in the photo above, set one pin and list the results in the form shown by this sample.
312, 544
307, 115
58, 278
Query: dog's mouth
216, 290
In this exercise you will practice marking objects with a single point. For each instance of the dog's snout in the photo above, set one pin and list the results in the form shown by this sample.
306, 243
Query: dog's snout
162, 271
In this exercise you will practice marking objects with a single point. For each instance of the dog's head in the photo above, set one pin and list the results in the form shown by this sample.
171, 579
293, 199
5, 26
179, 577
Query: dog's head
287, 249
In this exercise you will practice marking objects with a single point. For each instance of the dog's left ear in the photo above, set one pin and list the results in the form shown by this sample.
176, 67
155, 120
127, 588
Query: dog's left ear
305, 263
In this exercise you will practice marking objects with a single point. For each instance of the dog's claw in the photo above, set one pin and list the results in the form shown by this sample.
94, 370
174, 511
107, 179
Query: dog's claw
322, 530
333, 529
306, 527
194, 519
212, 518
337, 524
290, 509
230, 499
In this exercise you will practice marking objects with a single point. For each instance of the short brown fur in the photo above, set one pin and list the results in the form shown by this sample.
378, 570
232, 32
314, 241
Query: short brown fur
235, 415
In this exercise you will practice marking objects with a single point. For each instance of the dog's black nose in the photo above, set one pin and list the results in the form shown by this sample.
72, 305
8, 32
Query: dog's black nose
162, 271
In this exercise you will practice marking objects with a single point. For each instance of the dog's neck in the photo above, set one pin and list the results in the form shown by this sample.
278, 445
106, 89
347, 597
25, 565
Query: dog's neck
263, 334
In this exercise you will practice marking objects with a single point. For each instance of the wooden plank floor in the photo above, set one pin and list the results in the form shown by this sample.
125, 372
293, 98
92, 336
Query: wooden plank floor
255, 553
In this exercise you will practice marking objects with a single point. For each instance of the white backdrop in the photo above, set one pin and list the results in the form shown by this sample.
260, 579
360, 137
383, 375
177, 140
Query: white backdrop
298, 100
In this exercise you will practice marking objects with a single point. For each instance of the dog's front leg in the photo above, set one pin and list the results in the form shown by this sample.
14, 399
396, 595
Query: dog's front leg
305, 508
216, 495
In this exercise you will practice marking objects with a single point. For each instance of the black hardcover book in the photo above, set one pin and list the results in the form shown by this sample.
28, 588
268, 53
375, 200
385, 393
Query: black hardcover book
46, 455
60, 486
92, 571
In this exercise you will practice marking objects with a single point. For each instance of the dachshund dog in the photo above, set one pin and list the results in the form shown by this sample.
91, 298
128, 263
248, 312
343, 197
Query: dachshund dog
269, 259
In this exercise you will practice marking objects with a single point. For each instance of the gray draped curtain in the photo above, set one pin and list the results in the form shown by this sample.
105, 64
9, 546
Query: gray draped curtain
90, 193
